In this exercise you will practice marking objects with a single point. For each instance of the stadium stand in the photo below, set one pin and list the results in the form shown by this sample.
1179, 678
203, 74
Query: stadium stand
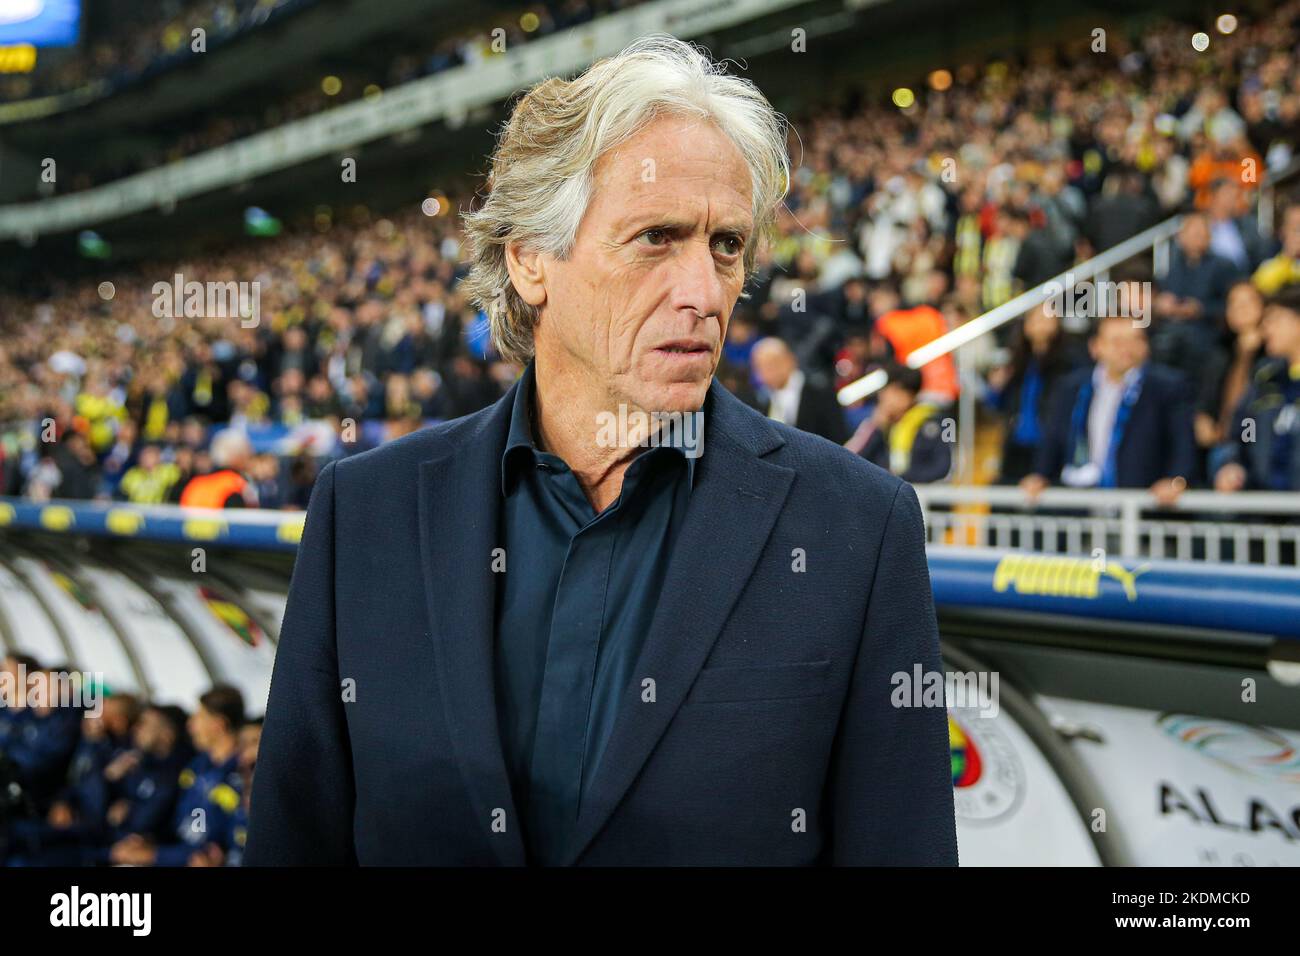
920, 206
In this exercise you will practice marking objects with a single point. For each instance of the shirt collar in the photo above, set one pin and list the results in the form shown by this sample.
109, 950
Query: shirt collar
520, 435
1100, 379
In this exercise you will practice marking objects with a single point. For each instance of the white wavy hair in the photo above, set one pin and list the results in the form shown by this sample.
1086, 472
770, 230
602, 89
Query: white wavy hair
542, 170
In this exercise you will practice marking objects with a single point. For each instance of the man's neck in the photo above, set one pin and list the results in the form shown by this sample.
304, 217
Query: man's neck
222, 749
567, 416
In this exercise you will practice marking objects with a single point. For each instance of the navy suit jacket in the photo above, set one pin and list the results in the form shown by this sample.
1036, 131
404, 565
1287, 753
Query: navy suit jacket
1158, 441
797, 589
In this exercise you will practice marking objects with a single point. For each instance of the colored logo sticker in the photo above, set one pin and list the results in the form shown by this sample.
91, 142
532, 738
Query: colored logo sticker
987, 777
233, 616
1242, 748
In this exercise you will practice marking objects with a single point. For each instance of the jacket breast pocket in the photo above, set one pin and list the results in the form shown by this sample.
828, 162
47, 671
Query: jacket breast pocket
760, 682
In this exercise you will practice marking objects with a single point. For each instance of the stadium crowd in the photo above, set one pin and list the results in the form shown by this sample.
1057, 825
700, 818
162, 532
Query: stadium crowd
900, 225
413, 57
145, 37
121, 781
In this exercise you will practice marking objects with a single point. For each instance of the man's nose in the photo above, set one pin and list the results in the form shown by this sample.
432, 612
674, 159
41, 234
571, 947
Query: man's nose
698, 283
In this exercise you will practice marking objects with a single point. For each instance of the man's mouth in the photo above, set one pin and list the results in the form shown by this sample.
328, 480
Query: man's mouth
685, 348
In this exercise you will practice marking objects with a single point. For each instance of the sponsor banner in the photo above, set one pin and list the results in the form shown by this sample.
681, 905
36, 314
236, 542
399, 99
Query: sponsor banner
255, 530
1179, 593
1008, 798
1187, 790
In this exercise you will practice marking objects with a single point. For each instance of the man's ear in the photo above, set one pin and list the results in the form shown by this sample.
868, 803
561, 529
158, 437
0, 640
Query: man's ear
527, 272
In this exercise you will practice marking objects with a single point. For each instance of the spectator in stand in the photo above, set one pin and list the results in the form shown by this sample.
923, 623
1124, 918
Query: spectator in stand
1234, 231
1122, 422
794, 397
900, 332
151, 480
228, 485
1041, 356
1228, 154
1001, 254
1122, 210
1262, 449
1192, 298
1230, 368
904, 435
1283, 269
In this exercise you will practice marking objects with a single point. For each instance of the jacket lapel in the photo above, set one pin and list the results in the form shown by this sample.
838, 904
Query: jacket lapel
459, 490
733, 506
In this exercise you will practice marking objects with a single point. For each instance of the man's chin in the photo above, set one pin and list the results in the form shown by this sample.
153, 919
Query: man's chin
677, 396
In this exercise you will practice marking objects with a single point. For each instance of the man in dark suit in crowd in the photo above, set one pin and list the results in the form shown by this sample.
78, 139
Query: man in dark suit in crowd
794, 397
563, 631
1122, 422
903, 435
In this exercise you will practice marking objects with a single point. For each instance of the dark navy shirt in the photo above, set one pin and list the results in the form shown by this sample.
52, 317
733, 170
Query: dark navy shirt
573, 607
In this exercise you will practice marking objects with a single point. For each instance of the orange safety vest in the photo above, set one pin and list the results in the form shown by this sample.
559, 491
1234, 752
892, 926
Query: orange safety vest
212, 491
907, 330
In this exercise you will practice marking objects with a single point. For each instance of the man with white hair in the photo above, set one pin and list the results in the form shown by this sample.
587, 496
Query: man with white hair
227, 485
562, 630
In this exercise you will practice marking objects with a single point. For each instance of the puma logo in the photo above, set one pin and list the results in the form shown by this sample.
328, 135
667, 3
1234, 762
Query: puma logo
1126, 578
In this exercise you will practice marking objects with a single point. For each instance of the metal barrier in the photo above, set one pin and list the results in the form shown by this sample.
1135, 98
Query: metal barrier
1248, 528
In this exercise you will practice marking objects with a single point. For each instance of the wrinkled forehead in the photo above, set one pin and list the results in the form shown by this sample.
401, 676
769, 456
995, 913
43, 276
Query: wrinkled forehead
675, 165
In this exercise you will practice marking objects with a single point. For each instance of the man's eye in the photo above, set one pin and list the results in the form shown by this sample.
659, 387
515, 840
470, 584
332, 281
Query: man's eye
733, 245
657, 234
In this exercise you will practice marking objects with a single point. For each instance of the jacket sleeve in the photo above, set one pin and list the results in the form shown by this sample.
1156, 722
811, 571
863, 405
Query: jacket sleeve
1181, 439
1050, 457
303, 794
889, 791
931, 455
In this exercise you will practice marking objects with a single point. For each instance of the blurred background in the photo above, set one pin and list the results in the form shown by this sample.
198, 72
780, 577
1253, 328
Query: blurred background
230, 252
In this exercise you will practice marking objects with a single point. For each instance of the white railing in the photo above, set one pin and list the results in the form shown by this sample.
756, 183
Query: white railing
1246, 528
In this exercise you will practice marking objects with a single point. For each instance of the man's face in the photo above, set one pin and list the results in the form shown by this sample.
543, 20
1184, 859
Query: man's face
1291, 231
894, 402
1281, 332
116, 717
772, 366
152, 733
205, 728
640, 307
1194, 237
1119, 346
